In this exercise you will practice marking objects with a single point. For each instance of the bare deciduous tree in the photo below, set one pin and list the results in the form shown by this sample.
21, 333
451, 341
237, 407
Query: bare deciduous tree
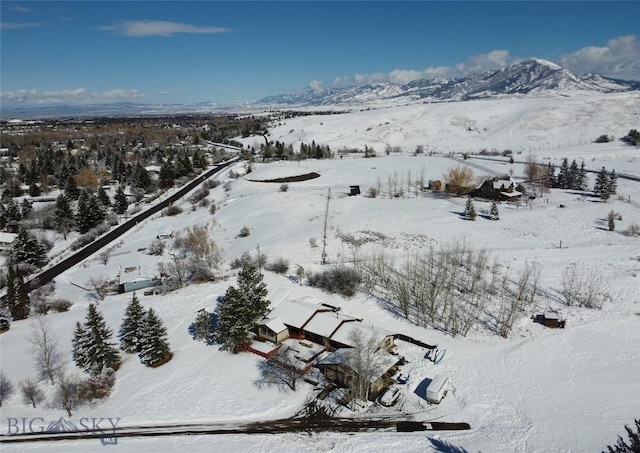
44, 347
6, 388
281, 369
459, 179
100, 286
68, 394
363, 360
31, 392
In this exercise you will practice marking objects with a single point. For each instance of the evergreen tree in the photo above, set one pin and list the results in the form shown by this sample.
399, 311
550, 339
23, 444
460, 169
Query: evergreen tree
611, 220
154, 345
26, 249
141, 178
71, 188
495, 215
79, 347
25, 208
5, 317
601, 186
166, 176
574, 176
63, 218
470, 210
241, 308
582, 177
103, 198
552, 175
10, 216
11, 296
131, 328
34, 190
121, 203
563, 175
621, 446
21, 304
204, 327
88, 212
101, 354
613, 183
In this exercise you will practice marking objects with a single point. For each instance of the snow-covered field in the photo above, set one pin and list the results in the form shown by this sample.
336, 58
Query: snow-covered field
540, 390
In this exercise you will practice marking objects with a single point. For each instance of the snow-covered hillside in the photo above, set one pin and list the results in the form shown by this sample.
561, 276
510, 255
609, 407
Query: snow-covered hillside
533, 76
539, 390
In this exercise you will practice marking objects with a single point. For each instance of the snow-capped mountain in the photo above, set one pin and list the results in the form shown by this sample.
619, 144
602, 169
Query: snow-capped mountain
529, 76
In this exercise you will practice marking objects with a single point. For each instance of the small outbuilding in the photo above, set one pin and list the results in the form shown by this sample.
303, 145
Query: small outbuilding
354, 190
273, 330
553, 320
437, 389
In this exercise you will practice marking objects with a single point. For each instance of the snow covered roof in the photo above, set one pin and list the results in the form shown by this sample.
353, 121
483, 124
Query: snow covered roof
344, 332
381, 361
326, 323
7, 238
275, 324
513, 194
497, 184
295, 313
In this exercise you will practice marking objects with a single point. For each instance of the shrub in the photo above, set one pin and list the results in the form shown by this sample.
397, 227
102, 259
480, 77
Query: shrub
244, 232
279, 266
204, 203
156, 248
227, 186
633, 230
372, 192
212, 208
341, 280
172, 210
284, 187
246, 257
61, 305
211, 183
604, 138
199, 195
90, 236
98, 386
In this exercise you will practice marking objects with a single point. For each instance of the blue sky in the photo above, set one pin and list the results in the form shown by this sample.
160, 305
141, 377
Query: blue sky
186, 52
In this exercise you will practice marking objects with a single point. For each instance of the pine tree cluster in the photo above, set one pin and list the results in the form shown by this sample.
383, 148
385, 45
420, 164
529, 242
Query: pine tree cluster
241, 308
569, 176
143, 333
92, 349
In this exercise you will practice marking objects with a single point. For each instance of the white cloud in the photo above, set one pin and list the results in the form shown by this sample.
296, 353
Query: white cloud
21, 9
17, 25
483, 62
620, 58
140, 28
67, 96
316, 84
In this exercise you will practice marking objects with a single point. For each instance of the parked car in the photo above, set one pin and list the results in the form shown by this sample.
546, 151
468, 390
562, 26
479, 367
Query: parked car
403, 378
389, 397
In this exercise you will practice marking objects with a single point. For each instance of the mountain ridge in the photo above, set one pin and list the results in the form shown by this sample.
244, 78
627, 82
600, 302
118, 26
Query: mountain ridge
530, 76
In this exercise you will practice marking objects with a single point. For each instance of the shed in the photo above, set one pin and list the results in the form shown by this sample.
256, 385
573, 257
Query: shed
435, 185
273, 329
354, 190
553, 319
6, 239
437, 389
135, 284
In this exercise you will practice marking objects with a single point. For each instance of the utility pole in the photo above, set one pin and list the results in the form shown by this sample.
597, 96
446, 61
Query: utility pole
324, 233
